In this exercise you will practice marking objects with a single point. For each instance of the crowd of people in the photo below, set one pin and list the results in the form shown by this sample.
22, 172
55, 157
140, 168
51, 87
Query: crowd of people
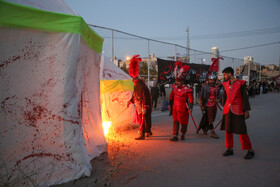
261, 87
232, 94
254, 88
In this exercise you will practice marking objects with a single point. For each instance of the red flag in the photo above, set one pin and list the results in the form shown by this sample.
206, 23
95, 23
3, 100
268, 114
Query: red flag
184, 70
215, 64
177, 64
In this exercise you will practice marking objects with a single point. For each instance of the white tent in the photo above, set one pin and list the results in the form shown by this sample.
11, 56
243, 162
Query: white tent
116, 88
50, 115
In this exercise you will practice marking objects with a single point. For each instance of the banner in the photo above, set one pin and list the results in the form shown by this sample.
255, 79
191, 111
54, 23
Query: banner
197, 72
277, 80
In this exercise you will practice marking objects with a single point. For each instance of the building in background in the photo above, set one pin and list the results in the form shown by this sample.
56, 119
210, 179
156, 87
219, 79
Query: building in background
257, 71
243, 71
153, 61
117, 61
215, 52
269, 71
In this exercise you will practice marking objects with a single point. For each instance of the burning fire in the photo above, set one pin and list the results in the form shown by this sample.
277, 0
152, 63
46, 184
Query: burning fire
106, 126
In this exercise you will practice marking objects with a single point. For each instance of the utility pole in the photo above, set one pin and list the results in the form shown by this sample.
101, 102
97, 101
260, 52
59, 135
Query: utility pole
188, 45
148, 63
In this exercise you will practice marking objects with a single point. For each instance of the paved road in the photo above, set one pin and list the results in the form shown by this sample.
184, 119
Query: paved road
198, 160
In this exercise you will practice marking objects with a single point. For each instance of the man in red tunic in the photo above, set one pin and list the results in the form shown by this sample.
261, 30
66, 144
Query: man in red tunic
236, 110
209, 97
180, 95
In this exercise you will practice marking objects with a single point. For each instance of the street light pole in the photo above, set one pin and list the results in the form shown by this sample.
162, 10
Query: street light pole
188, 46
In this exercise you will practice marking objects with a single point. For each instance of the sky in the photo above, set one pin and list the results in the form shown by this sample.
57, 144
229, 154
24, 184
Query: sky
167, 20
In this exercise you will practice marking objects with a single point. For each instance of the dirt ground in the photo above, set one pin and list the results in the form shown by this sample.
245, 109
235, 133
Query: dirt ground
119, 152
108, 164
198, 160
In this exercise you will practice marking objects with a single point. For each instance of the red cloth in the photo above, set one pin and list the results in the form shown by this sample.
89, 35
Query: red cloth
180, 95
181, 116
215, 64
212, 97
234, 97
277, 80
244, 140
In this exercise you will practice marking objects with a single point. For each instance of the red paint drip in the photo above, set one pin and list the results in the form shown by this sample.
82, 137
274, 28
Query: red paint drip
55, 156
9, 61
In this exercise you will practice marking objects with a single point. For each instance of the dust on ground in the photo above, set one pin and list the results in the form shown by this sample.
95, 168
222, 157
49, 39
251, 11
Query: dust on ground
109, 163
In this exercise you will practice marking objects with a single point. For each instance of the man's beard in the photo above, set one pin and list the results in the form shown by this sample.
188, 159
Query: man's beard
226, 79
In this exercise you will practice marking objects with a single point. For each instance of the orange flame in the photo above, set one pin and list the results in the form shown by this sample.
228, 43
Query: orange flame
106, 126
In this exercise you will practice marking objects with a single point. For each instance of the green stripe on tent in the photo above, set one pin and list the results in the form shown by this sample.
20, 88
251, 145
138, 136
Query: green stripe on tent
109, 86
19, 16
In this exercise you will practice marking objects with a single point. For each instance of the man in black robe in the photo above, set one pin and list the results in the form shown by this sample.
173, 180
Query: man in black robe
155, 95
141, 98
210, 95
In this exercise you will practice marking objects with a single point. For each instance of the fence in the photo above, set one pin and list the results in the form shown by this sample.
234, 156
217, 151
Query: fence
119, 45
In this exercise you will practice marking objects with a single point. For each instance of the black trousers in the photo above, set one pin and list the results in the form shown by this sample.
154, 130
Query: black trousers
176, 126
155, 100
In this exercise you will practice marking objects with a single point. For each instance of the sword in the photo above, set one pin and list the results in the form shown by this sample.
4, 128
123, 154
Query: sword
216, 126
191, 117
219, 106
120, 114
